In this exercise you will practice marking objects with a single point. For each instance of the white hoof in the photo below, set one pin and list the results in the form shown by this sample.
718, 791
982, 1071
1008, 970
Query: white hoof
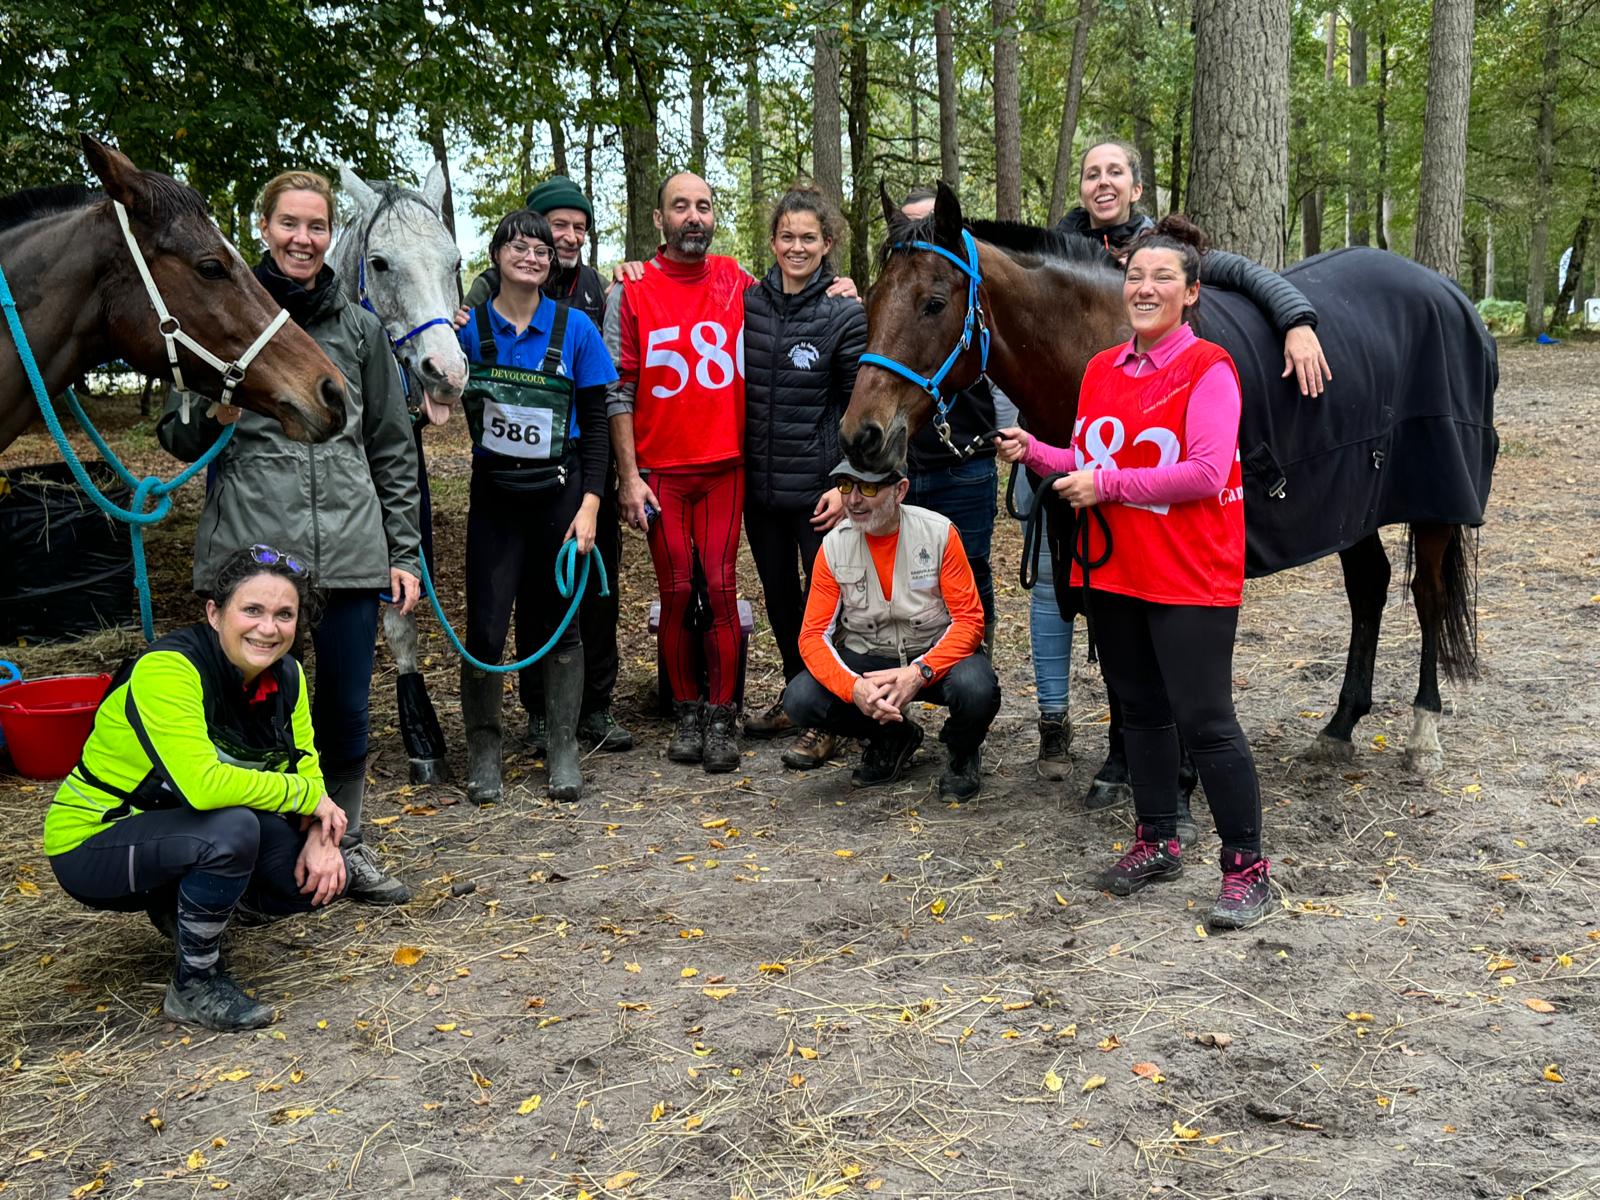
1424, 753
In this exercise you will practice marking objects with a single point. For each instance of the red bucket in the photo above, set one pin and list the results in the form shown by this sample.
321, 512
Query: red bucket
47, 721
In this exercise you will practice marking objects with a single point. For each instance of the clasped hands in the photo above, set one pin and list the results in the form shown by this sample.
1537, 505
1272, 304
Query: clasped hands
883, 694
320, 870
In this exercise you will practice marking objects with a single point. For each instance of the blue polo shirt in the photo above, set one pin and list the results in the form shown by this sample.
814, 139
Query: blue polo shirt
584, 358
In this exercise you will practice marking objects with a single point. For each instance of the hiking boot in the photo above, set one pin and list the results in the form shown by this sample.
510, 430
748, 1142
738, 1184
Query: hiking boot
1244, 895
886, 755
538, 734
366, 882
963, 777
598, 731
769, 724
811, 749
688, 744
1055, 743
1150, 860
721, 751
214, 1002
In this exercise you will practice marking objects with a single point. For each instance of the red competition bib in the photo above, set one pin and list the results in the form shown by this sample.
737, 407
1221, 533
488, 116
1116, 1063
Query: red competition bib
689, 404
1186, 553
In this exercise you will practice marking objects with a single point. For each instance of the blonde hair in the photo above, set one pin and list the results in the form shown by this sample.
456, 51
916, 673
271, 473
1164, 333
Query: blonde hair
295, 181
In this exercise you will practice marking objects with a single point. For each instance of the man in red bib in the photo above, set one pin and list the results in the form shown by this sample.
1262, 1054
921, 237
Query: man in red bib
677, 426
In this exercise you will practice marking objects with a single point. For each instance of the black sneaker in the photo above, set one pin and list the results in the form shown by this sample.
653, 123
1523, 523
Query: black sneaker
538, 734
367, 882
1244, 895
214, 1002
721, 752
598, 731
1055, 746
885, 757
963, 778
688, 744
1149, 861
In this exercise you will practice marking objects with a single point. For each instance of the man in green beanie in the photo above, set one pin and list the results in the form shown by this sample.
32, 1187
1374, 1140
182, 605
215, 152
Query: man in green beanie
579, 286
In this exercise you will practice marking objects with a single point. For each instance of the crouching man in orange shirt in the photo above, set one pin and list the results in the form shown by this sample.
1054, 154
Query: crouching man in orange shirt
894, 617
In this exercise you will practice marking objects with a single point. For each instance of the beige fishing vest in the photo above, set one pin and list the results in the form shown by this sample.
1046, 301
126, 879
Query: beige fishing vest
916, 618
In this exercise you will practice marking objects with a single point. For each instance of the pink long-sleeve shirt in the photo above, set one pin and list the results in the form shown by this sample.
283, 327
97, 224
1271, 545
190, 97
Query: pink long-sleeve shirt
1210, 430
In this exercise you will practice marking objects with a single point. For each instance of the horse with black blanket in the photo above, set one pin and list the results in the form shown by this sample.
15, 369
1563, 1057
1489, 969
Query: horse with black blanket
1404, 434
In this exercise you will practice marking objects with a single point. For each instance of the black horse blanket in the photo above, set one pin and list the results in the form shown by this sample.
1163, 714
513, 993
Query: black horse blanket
1404, 433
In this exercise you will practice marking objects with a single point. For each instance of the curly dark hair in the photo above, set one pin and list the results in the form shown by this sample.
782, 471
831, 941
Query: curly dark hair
249, 561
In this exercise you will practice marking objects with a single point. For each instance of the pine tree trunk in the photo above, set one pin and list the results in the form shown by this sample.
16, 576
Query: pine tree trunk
1580, 252
1442, 191
752, 117
1175, 167
827, 157
944, 42
697, 110
1383, 138
525, 157
1007, 114
1062, 191
558, 144
1239, 144
915, 101
860, 155
1488, 257
1544, 174
1357, 221
641, 153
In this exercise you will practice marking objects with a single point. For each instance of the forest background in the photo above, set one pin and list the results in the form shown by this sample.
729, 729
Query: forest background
1286, 127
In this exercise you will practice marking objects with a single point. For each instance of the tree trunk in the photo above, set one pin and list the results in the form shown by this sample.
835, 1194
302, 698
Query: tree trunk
1062, 191
1357, 222
1175, 167
1239, 144
752, 117
697, 109
588, 170
641, 152
1383, 138
558, 145
915, 100
525, 157
1544, 173
1007, 115
1488, 257
1580, 252
827, 158
944, 42
1442, 191
860, 154
1310, 202
447, 210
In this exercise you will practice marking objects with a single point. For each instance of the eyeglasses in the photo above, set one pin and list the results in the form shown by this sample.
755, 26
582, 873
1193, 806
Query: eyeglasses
524, 250
267, 556
846, 485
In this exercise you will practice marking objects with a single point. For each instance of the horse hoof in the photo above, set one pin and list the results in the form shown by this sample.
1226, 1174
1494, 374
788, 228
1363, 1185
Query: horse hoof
1327, 749
1425, 761
429, 770
1102, 795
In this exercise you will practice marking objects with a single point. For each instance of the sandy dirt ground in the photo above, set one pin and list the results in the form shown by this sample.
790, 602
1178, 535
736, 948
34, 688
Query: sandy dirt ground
767, 985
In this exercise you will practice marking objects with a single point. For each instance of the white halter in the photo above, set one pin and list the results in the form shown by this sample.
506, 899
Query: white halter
172, 330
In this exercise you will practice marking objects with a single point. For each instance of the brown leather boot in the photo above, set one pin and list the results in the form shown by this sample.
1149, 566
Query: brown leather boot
811, 750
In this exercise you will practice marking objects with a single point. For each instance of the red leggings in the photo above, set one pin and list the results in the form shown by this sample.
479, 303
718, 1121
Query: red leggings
699, 508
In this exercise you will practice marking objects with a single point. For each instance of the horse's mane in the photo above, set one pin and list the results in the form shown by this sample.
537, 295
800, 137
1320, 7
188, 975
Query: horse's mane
31, 204
1014, 238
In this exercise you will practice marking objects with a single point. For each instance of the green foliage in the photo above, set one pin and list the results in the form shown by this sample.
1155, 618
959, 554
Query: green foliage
1503, 317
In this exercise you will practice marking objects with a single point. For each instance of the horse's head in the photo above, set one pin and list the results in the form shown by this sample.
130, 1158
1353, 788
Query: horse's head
397, 257
213, 297
916, 314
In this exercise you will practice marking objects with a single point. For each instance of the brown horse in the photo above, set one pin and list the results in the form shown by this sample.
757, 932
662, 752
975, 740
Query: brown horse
1051, 302
82, 300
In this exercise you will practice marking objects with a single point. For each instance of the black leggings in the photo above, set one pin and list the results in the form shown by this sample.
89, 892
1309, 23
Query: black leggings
780, 542
1172, 666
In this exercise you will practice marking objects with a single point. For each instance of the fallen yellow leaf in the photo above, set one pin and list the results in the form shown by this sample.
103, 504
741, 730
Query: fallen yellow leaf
621, 1180
1358, 1016
797, 1080
1553, 1075
1539, 1006
1183, 1131
806, 1052
197, 1159
659, 1111
1061, 900
27, 888
1110, 1042
691, 933
845, 853
234, 1076
772, 968
832, 1189
1052, 1081
1093, 1082
447, 1027
689, 972
693, 1121
937, 907
632, 968
850, 1170
530, 1105
719, 823
718, 993
408, 956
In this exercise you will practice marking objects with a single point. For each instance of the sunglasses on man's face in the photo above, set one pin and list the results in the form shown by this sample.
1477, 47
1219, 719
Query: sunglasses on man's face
846, 485
267, 556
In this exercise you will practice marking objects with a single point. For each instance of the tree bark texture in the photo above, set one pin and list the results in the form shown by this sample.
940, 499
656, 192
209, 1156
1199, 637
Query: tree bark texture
1580, 252
1544, 173
944, 44
752, 117
641, 153
1357, 221
860, 155
1007, 114
697, 110
827, 157
1383, 139
588, 171
1062, 191
558, 144
1488, 257
1239, 144
1442, 192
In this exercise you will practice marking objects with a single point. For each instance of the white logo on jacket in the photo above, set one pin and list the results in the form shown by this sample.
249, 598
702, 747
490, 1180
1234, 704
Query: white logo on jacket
804, 355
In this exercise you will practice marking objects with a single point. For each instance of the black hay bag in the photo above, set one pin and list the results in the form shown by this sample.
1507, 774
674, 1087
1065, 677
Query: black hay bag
66, 569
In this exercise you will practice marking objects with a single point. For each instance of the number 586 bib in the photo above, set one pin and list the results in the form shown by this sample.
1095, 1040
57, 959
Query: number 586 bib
515, 412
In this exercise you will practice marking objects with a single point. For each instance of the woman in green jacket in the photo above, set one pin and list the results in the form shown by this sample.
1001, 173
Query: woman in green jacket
199, 793
349, 507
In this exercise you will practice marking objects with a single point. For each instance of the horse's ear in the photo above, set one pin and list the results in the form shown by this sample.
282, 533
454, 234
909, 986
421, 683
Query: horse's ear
891, 210
946, 217
356, 188
434, 187
123, 181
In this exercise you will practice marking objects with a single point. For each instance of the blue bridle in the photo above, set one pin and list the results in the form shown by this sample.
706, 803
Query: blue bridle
973, 326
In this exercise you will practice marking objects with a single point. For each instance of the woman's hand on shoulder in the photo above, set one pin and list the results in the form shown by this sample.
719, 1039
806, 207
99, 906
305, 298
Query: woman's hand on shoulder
843, 285
1012, 444
1303, 358
828, 512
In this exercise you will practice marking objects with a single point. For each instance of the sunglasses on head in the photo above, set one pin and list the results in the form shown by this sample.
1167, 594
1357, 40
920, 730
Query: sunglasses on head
846, 485
267, 556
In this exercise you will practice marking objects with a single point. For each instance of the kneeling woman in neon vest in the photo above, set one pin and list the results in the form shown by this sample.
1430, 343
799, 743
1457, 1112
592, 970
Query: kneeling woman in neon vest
1155, 447
536, 408
199, 795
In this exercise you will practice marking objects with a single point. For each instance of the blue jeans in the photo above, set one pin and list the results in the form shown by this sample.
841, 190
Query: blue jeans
966, 495
1050, 634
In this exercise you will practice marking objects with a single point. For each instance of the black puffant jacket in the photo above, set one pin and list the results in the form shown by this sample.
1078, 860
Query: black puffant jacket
1284, 304
800, 357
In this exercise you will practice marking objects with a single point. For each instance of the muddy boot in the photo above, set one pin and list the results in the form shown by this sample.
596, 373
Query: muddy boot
600, 731
481, 696
367, 882
1055, 745
563, 696
688, 744
722, 751
215, 1002
769, 724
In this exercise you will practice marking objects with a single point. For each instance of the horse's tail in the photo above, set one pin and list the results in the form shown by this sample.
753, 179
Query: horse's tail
1458, 616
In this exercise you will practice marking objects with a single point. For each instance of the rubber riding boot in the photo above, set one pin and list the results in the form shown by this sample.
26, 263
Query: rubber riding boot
366, 882
214, 1002
538, 734
563, 696
600, 731
722, 751
1055, 746
688, 744
481, 697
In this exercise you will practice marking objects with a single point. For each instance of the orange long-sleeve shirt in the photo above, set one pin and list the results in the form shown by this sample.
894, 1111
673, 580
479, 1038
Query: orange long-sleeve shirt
956, 586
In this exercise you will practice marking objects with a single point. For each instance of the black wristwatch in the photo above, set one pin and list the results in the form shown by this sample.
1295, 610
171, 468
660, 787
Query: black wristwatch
927, 671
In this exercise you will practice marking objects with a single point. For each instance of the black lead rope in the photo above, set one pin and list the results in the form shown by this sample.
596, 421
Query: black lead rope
1077, 543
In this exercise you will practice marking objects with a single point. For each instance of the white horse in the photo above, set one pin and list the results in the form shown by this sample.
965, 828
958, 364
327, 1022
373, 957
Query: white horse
396, 258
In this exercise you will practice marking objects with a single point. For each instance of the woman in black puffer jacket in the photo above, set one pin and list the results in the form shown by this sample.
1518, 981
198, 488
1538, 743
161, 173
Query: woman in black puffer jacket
800, 351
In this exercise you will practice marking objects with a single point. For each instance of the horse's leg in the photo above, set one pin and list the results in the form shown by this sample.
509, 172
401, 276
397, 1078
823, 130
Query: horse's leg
1366, 586
1188, 780
419, 724
1111, 785
1441, 590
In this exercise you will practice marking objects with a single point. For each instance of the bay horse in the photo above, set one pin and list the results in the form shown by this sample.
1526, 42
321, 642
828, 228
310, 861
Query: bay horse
83, 301
1404, 433
397, 259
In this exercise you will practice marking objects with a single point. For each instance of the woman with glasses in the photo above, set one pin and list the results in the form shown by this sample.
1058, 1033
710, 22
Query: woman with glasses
199, 795
536, 409
349, 506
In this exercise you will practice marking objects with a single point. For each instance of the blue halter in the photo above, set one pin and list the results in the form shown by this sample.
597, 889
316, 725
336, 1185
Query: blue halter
973, 325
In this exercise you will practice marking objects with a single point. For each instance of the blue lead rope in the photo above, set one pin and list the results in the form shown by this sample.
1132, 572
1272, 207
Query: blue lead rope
145, 491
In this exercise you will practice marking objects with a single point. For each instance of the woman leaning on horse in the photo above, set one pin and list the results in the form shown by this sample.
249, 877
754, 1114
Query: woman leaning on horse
199, 794
348, 508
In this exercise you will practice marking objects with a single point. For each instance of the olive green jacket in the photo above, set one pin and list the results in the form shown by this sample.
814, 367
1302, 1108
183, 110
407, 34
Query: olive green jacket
350, 506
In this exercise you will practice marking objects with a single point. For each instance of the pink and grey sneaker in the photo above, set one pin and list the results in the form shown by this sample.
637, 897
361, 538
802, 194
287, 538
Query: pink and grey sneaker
1244, 895
1151, 860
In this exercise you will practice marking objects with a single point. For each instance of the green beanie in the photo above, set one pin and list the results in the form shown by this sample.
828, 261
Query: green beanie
559, 192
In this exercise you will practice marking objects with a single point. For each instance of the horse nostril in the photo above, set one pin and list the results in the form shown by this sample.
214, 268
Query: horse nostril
331, 390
